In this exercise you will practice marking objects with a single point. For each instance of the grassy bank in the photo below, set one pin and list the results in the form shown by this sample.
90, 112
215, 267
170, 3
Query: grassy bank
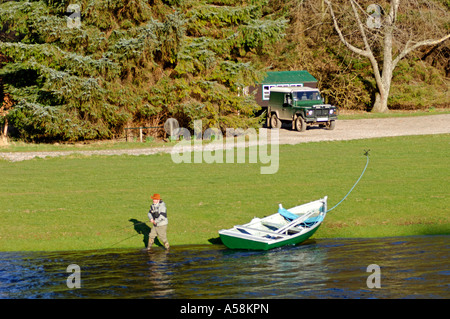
81, 202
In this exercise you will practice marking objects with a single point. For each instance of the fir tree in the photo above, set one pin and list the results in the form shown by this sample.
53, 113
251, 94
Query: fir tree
130, 62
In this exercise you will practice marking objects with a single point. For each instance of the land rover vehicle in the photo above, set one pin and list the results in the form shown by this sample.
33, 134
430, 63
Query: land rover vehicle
302, 106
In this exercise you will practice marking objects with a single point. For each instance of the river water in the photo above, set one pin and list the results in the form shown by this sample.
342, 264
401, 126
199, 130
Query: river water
408, 267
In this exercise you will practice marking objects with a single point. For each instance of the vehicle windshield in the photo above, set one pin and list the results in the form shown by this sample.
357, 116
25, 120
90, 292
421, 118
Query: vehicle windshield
306, 96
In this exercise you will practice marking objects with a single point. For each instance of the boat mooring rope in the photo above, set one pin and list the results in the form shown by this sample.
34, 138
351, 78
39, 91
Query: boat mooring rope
366, 153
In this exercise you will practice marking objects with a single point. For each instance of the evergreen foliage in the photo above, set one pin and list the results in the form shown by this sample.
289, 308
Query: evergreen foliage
131, 62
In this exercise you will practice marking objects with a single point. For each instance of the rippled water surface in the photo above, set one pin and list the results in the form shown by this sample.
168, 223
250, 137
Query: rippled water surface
410, 267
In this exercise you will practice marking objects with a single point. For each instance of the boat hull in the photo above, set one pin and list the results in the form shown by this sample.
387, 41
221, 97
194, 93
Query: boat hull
286, 227
233, 242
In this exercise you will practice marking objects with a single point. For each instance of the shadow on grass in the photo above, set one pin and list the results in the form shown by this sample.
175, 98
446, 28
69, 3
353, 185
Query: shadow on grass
215, 241
143, 229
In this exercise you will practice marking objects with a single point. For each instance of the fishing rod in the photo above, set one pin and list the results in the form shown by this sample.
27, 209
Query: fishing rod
366, 153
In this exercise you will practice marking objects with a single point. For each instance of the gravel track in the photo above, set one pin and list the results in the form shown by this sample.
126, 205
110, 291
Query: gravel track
345, 130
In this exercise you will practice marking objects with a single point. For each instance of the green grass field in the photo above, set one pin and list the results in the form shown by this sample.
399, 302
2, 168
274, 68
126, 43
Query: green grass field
79, 202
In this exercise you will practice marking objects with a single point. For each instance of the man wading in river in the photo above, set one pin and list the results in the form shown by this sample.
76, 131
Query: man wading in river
158, 217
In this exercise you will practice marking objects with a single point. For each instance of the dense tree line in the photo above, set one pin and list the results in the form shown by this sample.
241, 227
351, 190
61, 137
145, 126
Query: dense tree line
79, 73
130, 62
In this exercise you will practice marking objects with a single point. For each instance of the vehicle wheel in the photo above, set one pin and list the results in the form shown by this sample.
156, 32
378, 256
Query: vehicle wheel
331, 125
300, 124
275, 122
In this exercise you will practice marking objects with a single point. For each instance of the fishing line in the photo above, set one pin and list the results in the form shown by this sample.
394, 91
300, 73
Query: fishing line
134, 224
130, 236
123, 240
366, 153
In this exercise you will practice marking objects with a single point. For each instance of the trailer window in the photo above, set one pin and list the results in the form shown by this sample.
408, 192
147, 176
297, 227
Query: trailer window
266, 91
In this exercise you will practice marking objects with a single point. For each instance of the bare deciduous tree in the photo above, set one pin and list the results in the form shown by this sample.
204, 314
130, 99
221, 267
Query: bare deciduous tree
383, 28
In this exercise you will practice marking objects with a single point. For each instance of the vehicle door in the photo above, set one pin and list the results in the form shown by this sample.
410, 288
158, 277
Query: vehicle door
286, 110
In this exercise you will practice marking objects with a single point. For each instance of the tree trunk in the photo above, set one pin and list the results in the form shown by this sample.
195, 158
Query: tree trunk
383, 81
384, 86
380, 105
385, 78
4, 134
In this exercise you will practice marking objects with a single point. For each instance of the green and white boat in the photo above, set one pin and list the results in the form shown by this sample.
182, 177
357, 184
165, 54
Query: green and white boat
286, 227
